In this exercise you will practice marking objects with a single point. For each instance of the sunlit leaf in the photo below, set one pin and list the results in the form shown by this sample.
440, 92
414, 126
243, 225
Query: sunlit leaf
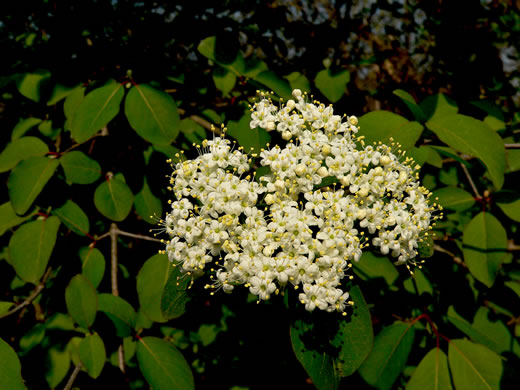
152, 114
147, 205
10, 369
92, 354
389, 355
120, 312
471, 136
114, 199
454, 198
57, 366
274, 83
98, 108
93, 264
247, 137
31, 246
23, 127
412, 105
27, 180
58, 93
163, 366
73, 101
298, 81
29, 84
512, 210
224, 80
438, 105
73, 217
432, 373
332, 86
8, 217
473, 366
79, 168
484, 247
81, 300
382, 125
151, 280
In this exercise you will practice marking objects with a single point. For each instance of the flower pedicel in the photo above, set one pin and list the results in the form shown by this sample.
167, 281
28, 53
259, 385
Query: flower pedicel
327, 197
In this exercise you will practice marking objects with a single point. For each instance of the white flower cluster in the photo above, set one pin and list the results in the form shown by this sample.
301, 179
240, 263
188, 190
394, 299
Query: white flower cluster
324, 199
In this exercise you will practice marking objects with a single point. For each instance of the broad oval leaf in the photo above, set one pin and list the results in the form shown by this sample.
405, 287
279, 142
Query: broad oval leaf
152, 114
23, 127
151, 280
247, 138
73, 217
389, 355
81, 300
471, 136
27, 180
382, 125
92, 354
332, 86
473, 366
432, 373
484, 246
79, 168
72, 103
120, 312
276, 84
29, 84
298, 80
8, 217
512, 210
60, 92
93, 264
371, 266
163, 366
57, 365
174, 296
412, 105
98, 108
454, 198
224, 80
355, 337
438, 105
114, 199
31, 246
21, 149
319, 365
147, 205
10, 369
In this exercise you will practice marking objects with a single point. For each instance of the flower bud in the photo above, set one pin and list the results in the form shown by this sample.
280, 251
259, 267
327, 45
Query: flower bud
269, 199
353, 120
325, 149
297, 93
300, 169
384, 160
290, 104
323, 172
270, 126
286, 135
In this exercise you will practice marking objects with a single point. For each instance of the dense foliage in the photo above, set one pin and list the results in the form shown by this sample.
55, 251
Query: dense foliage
97, 96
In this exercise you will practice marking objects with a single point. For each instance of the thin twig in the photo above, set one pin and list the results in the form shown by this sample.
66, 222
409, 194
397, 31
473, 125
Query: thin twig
511, 246
73, 376
512, 146
473, 187
139, 236
113, 259
37, 290
455, 258
121, 358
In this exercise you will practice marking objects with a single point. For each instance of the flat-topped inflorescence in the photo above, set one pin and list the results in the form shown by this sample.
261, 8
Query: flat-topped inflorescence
326, 197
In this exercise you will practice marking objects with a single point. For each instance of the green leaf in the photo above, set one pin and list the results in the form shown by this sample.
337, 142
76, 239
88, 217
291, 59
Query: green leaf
163, 366
382, 125
247, 137
332, 86
206, 47
224, 80
23, 127
27, 180
454, 198
59, 92
93, 264
512, 210
92, 354
371, 266
31, 246
152, 114
355, 337
473, 366
318, 364
98, 108
32, 338
73, 217
424, 286
276, 84
484, 247
432, 373
57, 366
29, 84
426, 155
151, 280
471, 136
120, 312
73, 101
8, 217
412, 105
79, 168
175, 297
438, 106
81, 300
147, 205
389, 355
21, 149
10, 369
5, 306
114, 199
298, 81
